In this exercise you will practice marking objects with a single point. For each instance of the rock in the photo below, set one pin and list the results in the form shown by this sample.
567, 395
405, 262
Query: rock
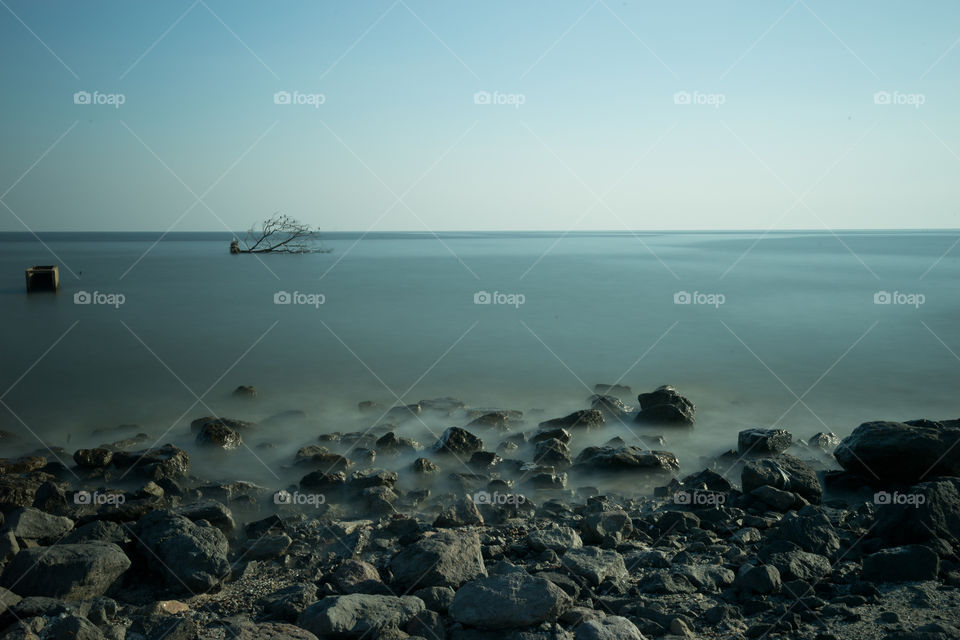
328, 484
926, 510
784, 472
583, 419
215, 434
268, 547
626, 459
93, 458
906, 452
801, 565
356, 616
665, 405
554, 453
102, 530
288, 603
8, 599
464, 513
826, 442
186, 554
404, 412
707, 480
424, 466
763, 442
245, 391
68, 571
596, 565
445, 559
162, 627
499, 420
356, 576
762, 579
237, 425
608, 628
72, 627
32, 524
213, 512
608, 528
317, 456
558, 539
268, 631
458, 442
610, 406
810, 530
706, 578
508, 600
777, 499
20, 490
166, 462
369, 406
909, 563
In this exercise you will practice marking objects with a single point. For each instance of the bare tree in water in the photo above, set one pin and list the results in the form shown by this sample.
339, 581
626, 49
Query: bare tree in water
280, 234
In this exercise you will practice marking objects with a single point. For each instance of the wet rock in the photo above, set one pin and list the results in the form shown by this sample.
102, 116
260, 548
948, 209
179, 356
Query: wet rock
612, 389
436, 599
289, 602
810, 530
665, 405
484, 460
763, 442
508, 600
784, 472
232, 423
607, 528
186, 554
902, 451
583, 419
762, 579
392, 444
707, 480
356, 616
445, 559
268, 547
458, 442
68, 571
216, 434
558, 539
595, 565
329, 484
554, 453
801, 565
425, 466
608, 628
610, 406
323, 458
166, 462
93, 458
464, 513
24, 464
624, 459
499, 420
32, 524
901, 564
777, 499
926, 510
826, 442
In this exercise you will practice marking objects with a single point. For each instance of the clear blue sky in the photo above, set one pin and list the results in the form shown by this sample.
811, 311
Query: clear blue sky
597, 143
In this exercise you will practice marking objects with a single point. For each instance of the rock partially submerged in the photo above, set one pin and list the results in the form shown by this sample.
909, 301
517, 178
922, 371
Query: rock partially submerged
763, 442
626, 459
665, 405
902, 451
68, 571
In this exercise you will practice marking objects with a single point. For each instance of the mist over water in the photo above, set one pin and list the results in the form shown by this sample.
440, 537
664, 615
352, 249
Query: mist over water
399, 324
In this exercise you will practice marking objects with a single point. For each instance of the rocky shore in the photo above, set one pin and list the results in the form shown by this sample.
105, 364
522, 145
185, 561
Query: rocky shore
501, 528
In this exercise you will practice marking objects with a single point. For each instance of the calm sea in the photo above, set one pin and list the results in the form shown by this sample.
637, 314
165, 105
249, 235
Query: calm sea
809, 331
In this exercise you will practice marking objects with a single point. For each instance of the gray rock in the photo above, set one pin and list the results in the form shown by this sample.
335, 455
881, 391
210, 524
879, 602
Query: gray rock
609, 628
595, 565
288, 603
777, 499
583, 419
458, 442
445, 559
68, 571
356, 576
267, 547
213, 512
901, 564
558, 539
762, 579
72, 627
8, 599
218, 435
437, 599
801, 565
810, 530
510, 600
32, 524
464, 513
93, 458
902, 451
356, 616
784, 472
268, 631
188, 555
608, 528
626, 459
763, 442
933, 509
166, 462
665, 405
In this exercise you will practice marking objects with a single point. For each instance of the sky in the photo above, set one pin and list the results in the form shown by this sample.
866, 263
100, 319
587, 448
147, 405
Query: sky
414, 115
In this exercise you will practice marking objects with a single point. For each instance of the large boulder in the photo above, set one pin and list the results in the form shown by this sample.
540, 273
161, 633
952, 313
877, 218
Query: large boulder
624, 459
763, 442
188, 555
458, 442
910, 563
166, 462
595, 565
784, 472
810, 530
925, 510
583, 419
358, 615
445, 559
32, 524
665, 405
218, 435
67, 571
609, 628
509, 600
906, 452
558, 539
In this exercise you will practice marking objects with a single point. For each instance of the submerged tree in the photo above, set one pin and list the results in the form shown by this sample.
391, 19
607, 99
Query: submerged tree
280, 234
